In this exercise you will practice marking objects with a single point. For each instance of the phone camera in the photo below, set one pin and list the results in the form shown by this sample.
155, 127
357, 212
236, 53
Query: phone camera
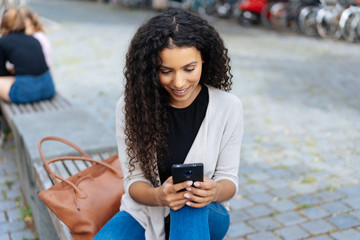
187, 173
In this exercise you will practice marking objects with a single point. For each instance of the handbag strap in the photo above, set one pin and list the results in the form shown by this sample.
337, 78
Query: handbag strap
80, 193
52, 138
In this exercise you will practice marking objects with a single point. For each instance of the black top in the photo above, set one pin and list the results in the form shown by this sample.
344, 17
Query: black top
24, 52
183, 126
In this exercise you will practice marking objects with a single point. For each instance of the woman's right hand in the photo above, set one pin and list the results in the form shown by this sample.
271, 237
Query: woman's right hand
169, 195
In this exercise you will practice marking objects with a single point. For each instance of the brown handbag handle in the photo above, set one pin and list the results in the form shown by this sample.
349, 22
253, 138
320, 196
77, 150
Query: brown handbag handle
77, 190
52, 138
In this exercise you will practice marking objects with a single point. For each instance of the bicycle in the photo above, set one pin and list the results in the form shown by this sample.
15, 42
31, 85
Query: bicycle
327, 19
349, 24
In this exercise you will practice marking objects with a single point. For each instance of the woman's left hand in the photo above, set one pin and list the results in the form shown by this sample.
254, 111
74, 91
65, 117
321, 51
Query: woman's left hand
202, 193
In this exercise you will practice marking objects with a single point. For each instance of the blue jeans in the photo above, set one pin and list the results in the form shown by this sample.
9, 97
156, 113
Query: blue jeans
28, 88
210, 222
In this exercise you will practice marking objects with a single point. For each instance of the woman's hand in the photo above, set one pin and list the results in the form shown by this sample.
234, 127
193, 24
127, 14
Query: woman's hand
168, 194
201, 194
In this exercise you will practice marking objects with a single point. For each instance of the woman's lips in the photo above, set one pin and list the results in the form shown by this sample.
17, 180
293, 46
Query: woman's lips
180, 92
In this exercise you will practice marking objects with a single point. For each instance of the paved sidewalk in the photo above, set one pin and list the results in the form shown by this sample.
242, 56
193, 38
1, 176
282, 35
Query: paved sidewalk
15, 220
299, 175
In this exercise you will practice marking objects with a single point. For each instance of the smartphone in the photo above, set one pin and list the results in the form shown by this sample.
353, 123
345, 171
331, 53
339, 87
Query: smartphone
186, 172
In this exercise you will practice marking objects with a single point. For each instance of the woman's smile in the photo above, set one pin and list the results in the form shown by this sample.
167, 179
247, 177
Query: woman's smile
181, 92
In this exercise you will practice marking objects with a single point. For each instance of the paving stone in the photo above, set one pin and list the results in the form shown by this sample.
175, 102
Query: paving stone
292, 233
259, 211
260, 197
263, 224
13, 214
262, 236
283, 205
258, 176
242, 180
239, 229
236, 216
248, 169
21, 235
314, 212
335, 207
5, 237
255, 188
5, 205
2, 217
13, 226
349, 234
307, 200
284, 193
13, 193
276, 183
238, 204
290, 218
344, 221
318, 227
353, 202
279, 173
356, 214
329, 196
351, 191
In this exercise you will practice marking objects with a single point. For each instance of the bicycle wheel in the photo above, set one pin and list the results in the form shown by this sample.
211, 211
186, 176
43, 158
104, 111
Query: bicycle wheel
307, 21
349, 21
265, 16
279, 16
325, 25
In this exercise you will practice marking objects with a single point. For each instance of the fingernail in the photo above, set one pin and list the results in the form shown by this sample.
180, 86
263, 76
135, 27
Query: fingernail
189, 189
186, 195
197, 184
189, 183
188, 203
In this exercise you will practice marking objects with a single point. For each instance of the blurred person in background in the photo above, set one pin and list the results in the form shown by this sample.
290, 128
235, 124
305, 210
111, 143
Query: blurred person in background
30, 79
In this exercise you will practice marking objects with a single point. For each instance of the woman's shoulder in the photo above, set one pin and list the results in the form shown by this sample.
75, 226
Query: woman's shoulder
223, 99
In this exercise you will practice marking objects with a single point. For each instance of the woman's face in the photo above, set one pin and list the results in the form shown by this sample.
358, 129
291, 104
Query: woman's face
180, 73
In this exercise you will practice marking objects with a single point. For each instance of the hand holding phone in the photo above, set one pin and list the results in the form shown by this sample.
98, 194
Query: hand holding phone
187, 172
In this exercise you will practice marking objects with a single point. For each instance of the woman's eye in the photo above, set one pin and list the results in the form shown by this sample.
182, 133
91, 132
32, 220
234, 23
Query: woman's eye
190, 70
165, 72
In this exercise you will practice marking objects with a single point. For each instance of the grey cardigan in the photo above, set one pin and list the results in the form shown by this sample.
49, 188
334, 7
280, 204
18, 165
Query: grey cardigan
217, 145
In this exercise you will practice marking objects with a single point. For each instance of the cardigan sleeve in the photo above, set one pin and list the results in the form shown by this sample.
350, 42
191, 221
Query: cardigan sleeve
136, 174
228, 162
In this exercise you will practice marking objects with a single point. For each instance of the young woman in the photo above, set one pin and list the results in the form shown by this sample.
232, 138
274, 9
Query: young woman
176, 110
31, 80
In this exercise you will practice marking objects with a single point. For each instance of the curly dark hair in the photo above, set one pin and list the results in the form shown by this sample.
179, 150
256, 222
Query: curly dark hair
145, 99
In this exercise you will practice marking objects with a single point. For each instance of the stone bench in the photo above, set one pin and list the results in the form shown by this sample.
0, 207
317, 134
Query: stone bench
10, 110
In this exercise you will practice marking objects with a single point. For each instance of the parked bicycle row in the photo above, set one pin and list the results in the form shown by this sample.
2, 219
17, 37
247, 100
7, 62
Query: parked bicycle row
324, 18
335, 19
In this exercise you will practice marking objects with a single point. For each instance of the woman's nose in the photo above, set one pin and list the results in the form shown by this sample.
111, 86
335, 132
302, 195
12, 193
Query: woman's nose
179, 81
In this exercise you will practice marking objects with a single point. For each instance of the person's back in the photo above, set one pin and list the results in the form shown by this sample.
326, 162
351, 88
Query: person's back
24, 52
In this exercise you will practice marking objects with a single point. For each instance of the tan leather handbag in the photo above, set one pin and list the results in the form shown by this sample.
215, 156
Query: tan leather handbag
85, 201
